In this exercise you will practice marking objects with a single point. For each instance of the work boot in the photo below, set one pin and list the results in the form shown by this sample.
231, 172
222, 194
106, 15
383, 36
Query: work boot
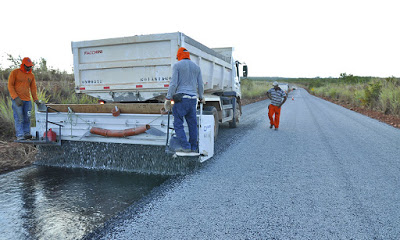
185, 150
27, 136
20, 138
271, 126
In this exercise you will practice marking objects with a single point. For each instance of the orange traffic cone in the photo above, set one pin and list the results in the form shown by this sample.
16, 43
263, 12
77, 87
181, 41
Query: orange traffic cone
292, 98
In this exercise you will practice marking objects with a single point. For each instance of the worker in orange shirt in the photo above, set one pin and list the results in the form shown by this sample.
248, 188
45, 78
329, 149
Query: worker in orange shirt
21, 84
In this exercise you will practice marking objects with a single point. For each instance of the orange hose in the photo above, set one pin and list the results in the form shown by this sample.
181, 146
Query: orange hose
119, 133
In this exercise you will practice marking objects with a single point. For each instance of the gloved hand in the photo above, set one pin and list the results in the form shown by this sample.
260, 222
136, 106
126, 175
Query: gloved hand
202, 100
167, 105
41, 106
18, 101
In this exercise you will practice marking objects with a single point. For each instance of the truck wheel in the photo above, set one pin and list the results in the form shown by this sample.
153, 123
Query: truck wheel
210, 110
236, 115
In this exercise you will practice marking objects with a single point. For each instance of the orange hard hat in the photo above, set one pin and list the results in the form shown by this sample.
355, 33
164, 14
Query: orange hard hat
182, 53
27, 62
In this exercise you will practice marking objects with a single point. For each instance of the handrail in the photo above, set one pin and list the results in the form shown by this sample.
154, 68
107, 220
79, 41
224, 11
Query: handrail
47, 121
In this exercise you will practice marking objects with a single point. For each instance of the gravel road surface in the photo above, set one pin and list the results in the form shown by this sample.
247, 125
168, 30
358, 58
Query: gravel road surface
327, 173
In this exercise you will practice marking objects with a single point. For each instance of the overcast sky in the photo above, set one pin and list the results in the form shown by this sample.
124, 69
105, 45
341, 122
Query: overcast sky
287, 38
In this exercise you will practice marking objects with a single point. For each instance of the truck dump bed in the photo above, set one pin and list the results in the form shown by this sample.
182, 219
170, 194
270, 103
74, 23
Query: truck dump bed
139, 68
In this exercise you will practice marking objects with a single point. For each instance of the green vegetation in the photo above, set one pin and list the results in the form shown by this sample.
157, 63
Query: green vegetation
381, 94
53, 86
254, 88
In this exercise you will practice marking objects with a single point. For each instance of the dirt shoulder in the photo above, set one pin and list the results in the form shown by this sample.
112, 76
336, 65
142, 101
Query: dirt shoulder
386, 118
253, 100
15, 155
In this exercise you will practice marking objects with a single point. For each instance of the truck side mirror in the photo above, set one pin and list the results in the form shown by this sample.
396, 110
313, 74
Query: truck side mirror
245, 71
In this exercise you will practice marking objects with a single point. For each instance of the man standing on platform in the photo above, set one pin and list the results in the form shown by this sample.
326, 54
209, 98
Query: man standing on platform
21, 84
185, 86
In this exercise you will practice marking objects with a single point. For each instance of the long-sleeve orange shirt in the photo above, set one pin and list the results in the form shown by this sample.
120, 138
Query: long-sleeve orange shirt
22, 84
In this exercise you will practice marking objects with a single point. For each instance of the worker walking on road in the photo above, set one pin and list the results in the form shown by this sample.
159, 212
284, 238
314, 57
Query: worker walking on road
276, 94
185, 84
21, 84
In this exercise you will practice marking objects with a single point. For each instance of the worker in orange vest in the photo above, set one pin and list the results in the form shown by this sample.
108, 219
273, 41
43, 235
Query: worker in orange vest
21, 85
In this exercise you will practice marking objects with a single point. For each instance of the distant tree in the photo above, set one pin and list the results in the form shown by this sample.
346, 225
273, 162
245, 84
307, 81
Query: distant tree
43, 65
15, 62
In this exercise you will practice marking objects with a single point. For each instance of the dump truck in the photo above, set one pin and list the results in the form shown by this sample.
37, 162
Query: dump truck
127, 130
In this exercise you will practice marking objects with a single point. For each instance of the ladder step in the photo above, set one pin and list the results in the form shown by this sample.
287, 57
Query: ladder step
187, 154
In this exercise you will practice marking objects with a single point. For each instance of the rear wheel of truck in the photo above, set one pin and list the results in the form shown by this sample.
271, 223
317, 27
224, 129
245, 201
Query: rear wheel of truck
210, 110
236, 115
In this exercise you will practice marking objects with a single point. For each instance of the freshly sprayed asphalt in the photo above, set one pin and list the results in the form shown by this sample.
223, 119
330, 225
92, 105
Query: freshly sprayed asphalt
327, 173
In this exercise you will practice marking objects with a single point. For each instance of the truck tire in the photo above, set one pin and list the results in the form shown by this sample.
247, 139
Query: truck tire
236, 115
210, 110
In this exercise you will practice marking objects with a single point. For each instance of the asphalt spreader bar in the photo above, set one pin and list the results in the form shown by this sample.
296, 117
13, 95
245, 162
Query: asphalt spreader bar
115, 156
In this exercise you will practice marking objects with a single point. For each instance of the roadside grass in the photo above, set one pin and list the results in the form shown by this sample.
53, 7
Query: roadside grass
253, 88
389, 99
353, 94
376, 94
6, 118
6, 109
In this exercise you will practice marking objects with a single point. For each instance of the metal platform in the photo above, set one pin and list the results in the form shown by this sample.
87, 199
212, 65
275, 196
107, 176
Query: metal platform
35, 141
44, 140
